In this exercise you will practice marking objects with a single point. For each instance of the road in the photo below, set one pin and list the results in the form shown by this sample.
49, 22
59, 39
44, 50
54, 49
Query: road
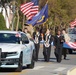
46, 68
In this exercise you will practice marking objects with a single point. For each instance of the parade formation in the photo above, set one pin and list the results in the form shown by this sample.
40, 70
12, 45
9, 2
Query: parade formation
20, 46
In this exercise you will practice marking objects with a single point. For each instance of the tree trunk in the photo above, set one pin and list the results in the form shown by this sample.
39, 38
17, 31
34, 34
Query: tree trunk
23, 23
17, 20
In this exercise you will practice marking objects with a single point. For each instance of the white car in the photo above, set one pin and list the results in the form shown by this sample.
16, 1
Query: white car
16, 50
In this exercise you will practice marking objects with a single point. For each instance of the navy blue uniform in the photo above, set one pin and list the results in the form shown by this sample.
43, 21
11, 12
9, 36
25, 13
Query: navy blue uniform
58, 43
47, 46
37, 38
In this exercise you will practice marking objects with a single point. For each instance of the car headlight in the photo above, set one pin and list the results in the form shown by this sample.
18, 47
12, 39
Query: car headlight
12, 54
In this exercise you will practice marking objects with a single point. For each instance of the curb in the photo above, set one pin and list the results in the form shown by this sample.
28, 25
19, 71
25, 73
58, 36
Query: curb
72, 71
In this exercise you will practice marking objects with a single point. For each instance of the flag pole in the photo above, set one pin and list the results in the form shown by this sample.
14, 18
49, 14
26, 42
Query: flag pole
41, 17
47, 19
46, 1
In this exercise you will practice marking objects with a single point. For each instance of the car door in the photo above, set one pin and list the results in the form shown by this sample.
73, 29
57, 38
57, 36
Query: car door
27, 52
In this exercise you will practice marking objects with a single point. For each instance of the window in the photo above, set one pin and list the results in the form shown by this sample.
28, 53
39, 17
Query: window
8, 38
72, 31
24, 38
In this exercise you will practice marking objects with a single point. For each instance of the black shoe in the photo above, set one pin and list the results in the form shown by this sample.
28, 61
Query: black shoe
58, 61
46, 60
36, 59
65, 58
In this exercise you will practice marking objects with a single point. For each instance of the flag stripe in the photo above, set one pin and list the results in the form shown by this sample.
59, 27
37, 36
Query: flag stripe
25, 10
73, 23
29, 9
35, 7
32, 13
72, 45
30, 17
27, 6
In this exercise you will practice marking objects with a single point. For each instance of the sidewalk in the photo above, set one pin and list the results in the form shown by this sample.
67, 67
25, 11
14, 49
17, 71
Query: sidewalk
72, 71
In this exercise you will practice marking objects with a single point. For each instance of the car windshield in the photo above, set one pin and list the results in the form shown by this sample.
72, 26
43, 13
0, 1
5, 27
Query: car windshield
72, 31
8, 38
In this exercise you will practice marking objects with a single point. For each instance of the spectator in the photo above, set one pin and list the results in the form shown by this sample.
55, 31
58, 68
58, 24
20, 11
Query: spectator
27, 33
66, 39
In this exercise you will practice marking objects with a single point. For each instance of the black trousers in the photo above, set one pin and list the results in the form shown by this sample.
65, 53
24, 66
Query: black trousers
64, 52
58, 54
37, 46
46, 52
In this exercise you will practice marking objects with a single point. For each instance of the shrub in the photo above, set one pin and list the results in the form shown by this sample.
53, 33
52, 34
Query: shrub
2, 23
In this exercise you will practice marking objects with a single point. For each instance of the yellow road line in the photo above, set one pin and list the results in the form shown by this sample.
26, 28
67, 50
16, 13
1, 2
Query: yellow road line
13, 73
18, 73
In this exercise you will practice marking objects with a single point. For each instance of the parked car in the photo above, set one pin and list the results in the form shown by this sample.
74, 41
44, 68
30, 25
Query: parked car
16, 50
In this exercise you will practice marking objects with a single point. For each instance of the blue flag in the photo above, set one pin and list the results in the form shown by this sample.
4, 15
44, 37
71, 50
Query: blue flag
36, 2
39, 18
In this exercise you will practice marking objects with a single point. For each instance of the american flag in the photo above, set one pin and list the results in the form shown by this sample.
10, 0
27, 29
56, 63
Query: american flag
71, 44
73, 23
29, 9
39, 18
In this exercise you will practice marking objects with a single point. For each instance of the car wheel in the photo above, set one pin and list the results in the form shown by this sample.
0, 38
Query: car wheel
32, 62
20, 64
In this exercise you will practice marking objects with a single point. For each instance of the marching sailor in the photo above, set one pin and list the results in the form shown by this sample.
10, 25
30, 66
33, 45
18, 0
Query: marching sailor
58, 46
48, 38
37, 38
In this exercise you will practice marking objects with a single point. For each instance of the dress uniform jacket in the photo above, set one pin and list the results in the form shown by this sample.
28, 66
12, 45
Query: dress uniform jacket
58, 43
47, 48
37, 38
